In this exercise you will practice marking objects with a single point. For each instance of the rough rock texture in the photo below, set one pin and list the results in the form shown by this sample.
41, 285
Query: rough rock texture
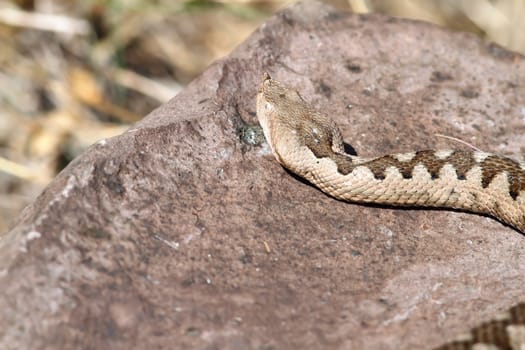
181, 234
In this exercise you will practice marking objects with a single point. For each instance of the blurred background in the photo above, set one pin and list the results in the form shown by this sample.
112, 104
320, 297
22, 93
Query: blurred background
73, 72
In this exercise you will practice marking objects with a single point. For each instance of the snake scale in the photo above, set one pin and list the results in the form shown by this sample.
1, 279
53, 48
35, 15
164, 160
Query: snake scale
309, 144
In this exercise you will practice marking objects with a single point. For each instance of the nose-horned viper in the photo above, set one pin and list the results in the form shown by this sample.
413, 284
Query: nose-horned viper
309, 144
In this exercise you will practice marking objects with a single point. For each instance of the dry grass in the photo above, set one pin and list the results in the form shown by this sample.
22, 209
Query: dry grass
73, 72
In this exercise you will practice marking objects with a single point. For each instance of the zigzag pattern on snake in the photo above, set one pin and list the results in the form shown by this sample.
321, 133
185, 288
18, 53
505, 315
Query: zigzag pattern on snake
309, 144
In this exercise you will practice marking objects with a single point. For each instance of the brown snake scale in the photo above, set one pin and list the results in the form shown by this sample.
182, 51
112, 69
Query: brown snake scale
309, 144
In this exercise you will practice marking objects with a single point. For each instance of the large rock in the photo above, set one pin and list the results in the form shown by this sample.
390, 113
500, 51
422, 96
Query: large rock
182, 234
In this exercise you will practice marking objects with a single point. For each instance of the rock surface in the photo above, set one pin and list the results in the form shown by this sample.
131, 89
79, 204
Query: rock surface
184, 234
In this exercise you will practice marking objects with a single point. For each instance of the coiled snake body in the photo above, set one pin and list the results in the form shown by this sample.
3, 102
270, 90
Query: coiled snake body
309, 144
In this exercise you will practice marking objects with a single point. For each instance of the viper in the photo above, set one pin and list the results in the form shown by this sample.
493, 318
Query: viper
309, 144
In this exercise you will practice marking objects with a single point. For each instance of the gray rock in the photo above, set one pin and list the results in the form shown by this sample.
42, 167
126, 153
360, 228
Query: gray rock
184, 233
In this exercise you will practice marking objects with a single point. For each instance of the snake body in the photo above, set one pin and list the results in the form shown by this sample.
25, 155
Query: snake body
309, 144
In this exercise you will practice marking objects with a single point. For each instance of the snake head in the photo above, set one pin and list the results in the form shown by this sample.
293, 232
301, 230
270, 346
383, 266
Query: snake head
292, 127
278, 94
274, 105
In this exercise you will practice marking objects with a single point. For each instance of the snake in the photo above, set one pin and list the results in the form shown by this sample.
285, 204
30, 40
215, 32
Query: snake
309, 144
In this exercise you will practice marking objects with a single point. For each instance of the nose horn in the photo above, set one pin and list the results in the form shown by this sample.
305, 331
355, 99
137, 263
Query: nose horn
266, 76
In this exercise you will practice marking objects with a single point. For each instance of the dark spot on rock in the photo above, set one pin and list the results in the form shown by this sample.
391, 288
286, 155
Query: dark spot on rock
246, 259
438, 76
251, 135
511, 85
282, 95
193, 331
355, 252
469, 93
366, 92
203, 100
461, 177
406, 175
115, 184
324, 89
287, 18
94, 232
110, 330
353, 67
500, 52
188, 282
